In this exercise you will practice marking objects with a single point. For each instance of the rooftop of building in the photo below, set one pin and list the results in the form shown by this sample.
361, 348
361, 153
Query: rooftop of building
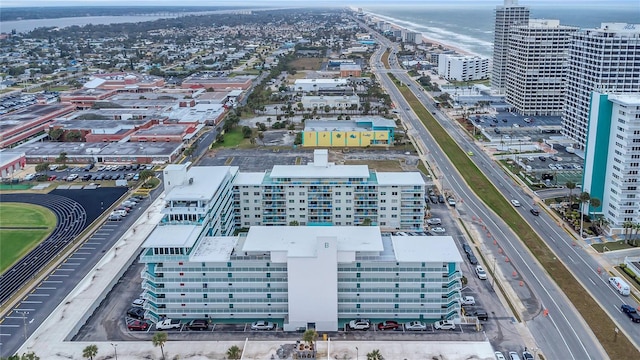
177, 236
399, 178
86, 124
249, 178
321, 81
214, 248
313, 171
206, 181
33, 112
163, 130
627, 99
350, 67
358, 124
197, 113
426, 248
301, 241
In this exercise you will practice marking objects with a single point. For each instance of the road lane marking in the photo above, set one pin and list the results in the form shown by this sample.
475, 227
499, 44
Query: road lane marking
31, 302
593, 282
9, 326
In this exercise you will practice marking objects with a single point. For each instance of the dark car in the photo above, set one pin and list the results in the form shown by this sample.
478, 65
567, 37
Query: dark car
466, 248
542, 158
434, 199
441, 199
136, 313
631, 312
388, 325
535, 211
472, 259
198, 324
481, 314
138, 325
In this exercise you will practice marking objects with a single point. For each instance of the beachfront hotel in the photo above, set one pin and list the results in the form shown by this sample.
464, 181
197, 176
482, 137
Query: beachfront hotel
612, 158
462, 67
506, 16
605, 59
536, 67
298, 276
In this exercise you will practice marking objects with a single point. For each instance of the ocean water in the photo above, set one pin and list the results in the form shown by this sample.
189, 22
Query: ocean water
471, 28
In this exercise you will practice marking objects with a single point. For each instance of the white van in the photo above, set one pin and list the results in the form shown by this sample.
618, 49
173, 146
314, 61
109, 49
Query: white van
620, 285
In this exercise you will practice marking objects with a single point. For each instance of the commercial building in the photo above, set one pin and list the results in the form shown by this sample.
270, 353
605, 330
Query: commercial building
462, 68
612, 158
323, 193
340, 103
19, 126
536, 67
350, 70
505, 17
606, 59
361, 132
308, 85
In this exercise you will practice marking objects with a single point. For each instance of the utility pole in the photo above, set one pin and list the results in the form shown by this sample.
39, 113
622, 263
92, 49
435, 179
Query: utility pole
115, 350
24, 321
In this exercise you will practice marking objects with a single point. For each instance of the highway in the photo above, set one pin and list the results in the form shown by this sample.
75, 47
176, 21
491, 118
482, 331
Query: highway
562, 334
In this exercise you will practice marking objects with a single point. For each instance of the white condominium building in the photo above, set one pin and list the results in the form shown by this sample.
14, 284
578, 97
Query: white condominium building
536, 67
606, 59
323, 193
303, 277
612, 158
505, 17
340, 103
462, 68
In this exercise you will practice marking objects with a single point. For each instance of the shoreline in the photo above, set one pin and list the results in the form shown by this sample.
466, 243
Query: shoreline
424, 38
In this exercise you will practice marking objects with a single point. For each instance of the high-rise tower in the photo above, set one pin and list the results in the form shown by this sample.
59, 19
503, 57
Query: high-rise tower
506, 16
606, 59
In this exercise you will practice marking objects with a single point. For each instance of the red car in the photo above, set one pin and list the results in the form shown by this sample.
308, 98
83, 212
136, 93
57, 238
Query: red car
138, 325
388, 325
53, 177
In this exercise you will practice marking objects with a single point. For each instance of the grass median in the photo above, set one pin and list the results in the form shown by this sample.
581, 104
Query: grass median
597, 319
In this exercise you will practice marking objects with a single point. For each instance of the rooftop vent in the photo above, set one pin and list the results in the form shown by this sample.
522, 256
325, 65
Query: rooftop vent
190, 181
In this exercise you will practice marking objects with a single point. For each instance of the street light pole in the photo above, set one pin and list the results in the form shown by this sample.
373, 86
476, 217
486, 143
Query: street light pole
115, 350
24, 321
357, 353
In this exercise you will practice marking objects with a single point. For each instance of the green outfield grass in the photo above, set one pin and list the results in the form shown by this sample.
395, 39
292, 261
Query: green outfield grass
22, 227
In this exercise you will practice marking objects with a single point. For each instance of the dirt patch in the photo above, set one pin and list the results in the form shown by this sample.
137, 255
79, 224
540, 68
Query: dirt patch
378, 165
307, 63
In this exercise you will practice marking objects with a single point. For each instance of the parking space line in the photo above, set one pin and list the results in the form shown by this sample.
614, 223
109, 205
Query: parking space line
76, 258
46, 288
88, 248
59, 275
39, 295
8, 326
66, 270
81, 253
53, 281
16, 309
31, 302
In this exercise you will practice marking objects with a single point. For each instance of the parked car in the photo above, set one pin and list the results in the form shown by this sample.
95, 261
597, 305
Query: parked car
444, 325
467, 248
481, 315
468, 300
359, 324
138, 302
438, 230
499, 356
168, 324
29, 177
138, 325
535, 212
388, 325
52, 177
482, 275
198, 324
513, 355
451, 201
542, 158
631, 312
526, 355
263, 325
415, 326
434, 221
136, 313
441, 199
434, 199
515, 203
114, 217
473, 260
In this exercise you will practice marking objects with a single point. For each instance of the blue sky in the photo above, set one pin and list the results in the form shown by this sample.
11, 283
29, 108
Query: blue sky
298, 3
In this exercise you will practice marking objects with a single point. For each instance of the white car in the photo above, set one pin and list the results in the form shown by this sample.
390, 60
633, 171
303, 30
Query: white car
29, 177
138, 302
434, 221
168, 324
515, 203
513, 355
415, 326
438, 230
444, 325
499, 356
482, 275
263, 325
359, 324
468, 300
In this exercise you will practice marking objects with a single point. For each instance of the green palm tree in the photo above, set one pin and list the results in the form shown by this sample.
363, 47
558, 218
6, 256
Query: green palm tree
234, 353
627, 226
570, 185
375, 355
310, 336
159, 339
90, 351
585, 198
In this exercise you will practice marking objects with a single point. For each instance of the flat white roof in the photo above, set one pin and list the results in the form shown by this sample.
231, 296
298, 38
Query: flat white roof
425, 248
627, 99
321, 81
214, 248
173, 236
301, 240
399, 178
206, 181
249, 178
311, 171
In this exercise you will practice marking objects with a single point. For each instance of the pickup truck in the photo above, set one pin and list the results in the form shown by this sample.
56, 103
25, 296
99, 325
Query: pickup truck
168, 324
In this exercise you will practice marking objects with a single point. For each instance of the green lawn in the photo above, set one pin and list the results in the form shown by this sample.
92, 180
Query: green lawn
35, 223
599, 322
232, 138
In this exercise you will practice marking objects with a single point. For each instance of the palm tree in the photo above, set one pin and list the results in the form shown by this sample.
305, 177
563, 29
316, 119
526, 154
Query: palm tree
570, 185
159, 339
146, 175
234, 352
627, 226
310, 336
375, 355
90, 351
584, 200
636, 233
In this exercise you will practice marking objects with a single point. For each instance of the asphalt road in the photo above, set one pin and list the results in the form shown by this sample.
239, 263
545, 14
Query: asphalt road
20, 322
563, 334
